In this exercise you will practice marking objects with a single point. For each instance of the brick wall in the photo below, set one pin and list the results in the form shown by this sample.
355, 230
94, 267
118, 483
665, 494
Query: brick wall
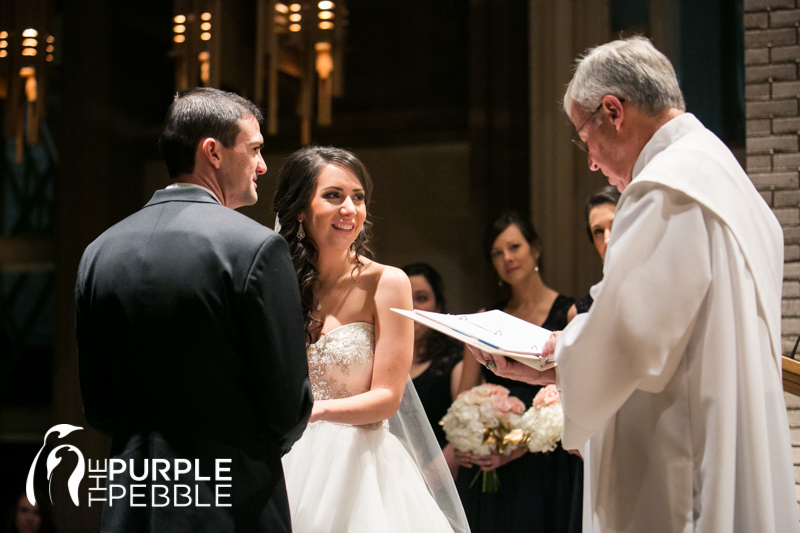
772, 59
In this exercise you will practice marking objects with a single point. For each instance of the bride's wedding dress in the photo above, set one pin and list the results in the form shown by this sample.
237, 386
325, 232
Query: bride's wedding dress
373, 478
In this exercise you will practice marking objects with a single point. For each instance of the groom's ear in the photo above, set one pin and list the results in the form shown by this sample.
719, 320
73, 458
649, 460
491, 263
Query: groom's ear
210, 150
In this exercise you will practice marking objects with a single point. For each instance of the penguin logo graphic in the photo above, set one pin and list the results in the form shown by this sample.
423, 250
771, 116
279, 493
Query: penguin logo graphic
52, 461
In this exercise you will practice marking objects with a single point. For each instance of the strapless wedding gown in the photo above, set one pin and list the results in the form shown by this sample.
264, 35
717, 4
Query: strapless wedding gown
343, 478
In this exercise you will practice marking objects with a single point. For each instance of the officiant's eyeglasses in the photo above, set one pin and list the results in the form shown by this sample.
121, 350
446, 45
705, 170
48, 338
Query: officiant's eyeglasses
576, 139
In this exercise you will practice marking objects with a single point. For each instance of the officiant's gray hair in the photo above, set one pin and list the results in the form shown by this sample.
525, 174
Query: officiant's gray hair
631, 69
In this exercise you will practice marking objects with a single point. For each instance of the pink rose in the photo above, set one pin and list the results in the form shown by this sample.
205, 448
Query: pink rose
495, 390
516, 405
507, 404
546, 396
483, 393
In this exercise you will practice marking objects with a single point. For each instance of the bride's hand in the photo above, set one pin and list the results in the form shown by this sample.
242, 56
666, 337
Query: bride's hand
317, 411
494, 461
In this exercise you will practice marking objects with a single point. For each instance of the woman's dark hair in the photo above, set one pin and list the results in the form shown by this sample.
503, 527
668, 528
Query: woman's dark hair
436, 345
197, 114
502, 223
297, 181
604, 195
432, 277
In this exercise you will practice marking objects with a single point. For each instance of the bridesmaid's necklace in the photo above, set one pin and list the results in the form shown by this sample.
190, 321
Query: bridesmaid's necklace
335, 282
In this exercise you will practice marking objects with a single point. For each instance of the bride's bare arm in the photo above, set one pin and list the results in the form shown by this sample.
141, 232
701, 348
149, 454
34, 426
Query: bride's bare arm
394, 344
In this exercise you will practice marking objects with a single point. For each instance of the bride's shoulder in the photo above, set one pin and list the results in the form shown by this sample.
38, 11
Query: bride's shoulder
384, 277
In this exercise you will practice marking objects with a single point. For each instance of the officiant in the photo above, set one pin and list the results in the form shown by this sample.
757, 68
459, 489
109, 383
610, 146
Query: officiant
671, 383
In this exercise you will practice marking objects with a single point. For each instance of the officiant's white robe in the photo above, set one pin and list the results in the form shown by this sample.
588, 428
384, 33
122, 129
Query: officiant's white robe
675, 372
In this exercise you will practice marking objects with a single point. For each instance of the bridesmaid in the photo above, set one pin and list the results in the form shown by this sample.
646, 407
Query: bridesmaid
600, 210
538, 491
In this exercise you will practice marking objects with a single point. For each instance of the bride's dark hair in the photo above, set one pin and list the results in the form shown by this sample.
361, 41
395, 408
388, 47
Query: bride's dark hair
297, 181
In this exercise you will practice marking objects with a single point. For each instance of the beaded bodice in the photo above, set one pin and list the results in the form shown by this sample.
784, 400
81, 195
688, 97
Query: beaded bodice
340, 363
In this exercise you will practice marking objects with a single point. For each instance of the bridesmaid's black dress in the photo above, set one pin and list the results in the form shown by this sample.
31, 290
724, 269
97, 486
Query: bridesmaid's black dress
539, 492
434, 390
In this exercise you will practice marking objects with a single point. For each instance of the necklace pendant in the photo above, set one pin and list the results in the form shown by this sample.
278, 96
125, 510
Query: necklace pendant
319, 306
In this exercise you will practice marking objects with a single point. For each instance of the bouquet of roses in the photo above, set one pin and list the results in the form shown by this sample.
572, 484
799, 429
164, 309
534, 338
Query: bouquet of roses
483, 420
542, 423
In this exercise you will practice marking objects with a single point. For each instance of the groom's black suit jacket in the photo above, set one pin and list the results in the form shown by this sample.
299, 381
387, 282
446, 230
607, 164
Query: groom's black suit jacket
191, 346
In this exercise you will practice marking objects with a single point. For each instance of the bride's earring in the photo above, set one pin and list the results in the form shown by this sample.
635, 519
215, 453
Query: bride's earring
301, 234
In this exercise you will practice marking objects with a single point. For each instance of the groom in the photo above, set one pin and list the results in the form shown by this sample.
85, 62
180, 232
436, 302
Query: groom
190, 338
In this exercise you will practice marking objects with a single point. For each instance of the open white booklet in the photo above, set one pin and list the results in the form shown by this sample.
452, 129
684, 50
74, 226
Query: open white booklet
493, 332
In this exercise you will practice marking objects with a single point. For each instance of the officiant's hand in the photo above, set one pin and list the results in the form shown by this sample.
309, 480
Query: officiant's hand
549, 348
508, 368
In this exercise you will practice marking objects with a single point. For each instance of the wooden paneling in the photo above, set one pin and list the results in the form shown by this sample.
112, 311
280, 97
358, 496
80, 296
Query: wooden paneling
560, 180
791, 376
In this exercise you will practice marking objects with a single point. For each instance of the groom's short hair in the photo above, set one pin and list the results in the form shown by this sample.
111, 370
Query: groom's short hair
198, 114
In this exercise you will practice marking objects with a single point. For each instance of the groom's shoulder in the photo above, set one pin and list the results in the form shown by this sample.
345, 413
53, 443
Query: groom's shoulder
218, 215
235, 233
232, 230
216, 225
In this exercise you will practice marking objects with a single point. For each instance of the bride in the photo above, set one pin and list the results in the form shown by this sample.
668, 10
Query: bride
355, 470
